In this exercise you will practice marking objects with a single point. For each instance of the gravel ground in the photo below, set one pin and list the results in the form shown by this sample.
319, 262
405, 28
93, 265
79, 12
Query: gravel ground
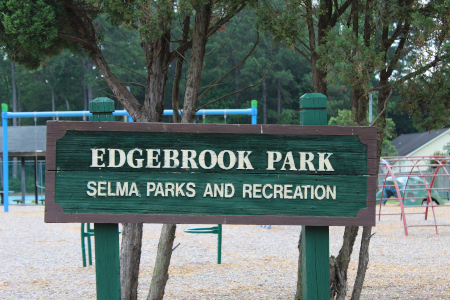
43, 261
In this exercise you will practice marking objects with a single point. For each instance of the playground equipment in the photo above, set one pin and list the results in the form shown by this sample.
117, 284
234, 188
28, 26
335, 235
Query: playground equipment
215, 230
86, 233
84, 114
414, 181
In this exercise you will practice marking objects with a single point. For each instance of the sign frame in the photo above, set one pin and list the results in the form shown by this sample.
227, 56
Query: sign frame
56, 130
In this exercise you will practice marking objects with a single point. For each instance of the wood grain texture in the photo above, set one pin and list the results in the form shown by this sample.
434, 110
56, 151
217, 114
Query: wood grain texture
69, 158
315, 263
107, 261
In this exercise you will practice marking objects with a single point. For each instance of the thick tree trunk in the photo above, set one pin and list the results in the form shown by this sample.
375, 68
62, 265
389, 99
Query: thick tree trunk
319, 76
130, 258
202, 19
157, 58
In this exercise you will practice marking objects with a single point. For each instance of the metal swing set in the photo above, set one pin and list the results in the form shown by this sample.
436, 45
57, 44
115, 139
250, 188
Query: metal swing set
417, 183
253, 111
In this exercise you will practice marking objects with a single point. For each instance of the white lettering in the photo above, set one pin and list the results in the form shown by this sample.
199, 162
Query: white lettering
131, 159
188, 158
325, 162
190, 187
244, 162
208, 191
170, 159
271, 159
97, 158
246, 190
316, 194
152, 158
201, 159
232, 157
289, 160
91, 185
112, 158
304, 161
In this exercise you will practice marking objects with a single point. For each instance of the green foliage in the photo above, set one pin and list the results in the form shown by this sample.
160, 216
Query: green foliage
29, 29
344, 118
347, 118
343, 66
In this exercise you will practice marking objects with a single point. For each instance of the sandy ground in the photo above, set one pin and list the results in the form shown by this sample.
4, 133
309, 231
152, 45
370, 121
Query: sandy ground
43, 261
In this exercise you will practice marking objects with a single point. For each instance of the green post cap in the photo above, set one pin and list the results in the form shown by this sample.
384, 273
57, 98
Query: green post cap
313, 109
254, 103
4, 107
101, 109
101, 104
313, 100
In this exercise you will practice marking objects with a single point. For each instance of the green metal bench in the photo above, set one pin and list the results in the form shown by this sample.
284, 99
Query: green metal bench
214, 230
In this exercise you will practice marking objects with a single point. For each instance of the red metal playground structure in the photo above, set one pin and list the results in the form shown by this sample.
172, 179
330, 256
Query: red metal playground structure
415, 182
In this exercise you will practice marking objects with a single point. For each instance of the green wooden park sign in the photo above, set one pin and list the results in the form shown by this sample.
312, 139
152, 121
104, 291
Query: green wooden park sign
113, 172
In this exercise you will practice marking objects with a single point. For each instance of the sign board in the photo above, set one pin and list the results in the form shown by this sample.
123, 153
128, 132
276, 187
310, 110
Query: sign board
112, 172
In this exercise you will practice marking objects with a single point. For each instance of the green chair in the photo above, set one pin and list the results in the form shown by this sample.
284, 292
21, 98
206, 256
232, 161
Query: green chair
86, 232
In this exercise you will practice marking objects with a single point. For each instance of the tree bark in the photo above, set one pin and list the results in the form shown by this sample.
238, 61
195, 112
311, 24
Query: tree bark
236, 85
157, 58
202, 19
178, 71
130, 257
363, 262
279, 96
162, 262
343, 260
14, 94
299, 290
264, 102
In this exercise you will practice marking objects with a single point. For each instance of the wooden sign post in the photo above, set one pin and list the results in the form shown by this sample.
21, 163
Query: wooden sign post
106, 235
316, 176
315, 239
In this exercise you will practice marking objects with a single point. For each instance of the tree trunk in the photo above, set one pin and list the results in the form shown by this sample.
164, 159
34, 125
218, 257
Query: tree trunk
53, 97
89, 86
363, 262
14, 95
157, 58
130, 258
160, 271
279, 96
342, 262
19, 108
299, 290
264, 102
119, 89
202, 19
178, 71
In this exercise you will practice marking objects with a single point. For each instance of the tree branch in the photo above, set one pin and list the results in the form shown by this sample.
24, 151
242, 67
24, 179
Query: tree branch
241, 90
77, 40
232, 69
211, 30
127, 69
